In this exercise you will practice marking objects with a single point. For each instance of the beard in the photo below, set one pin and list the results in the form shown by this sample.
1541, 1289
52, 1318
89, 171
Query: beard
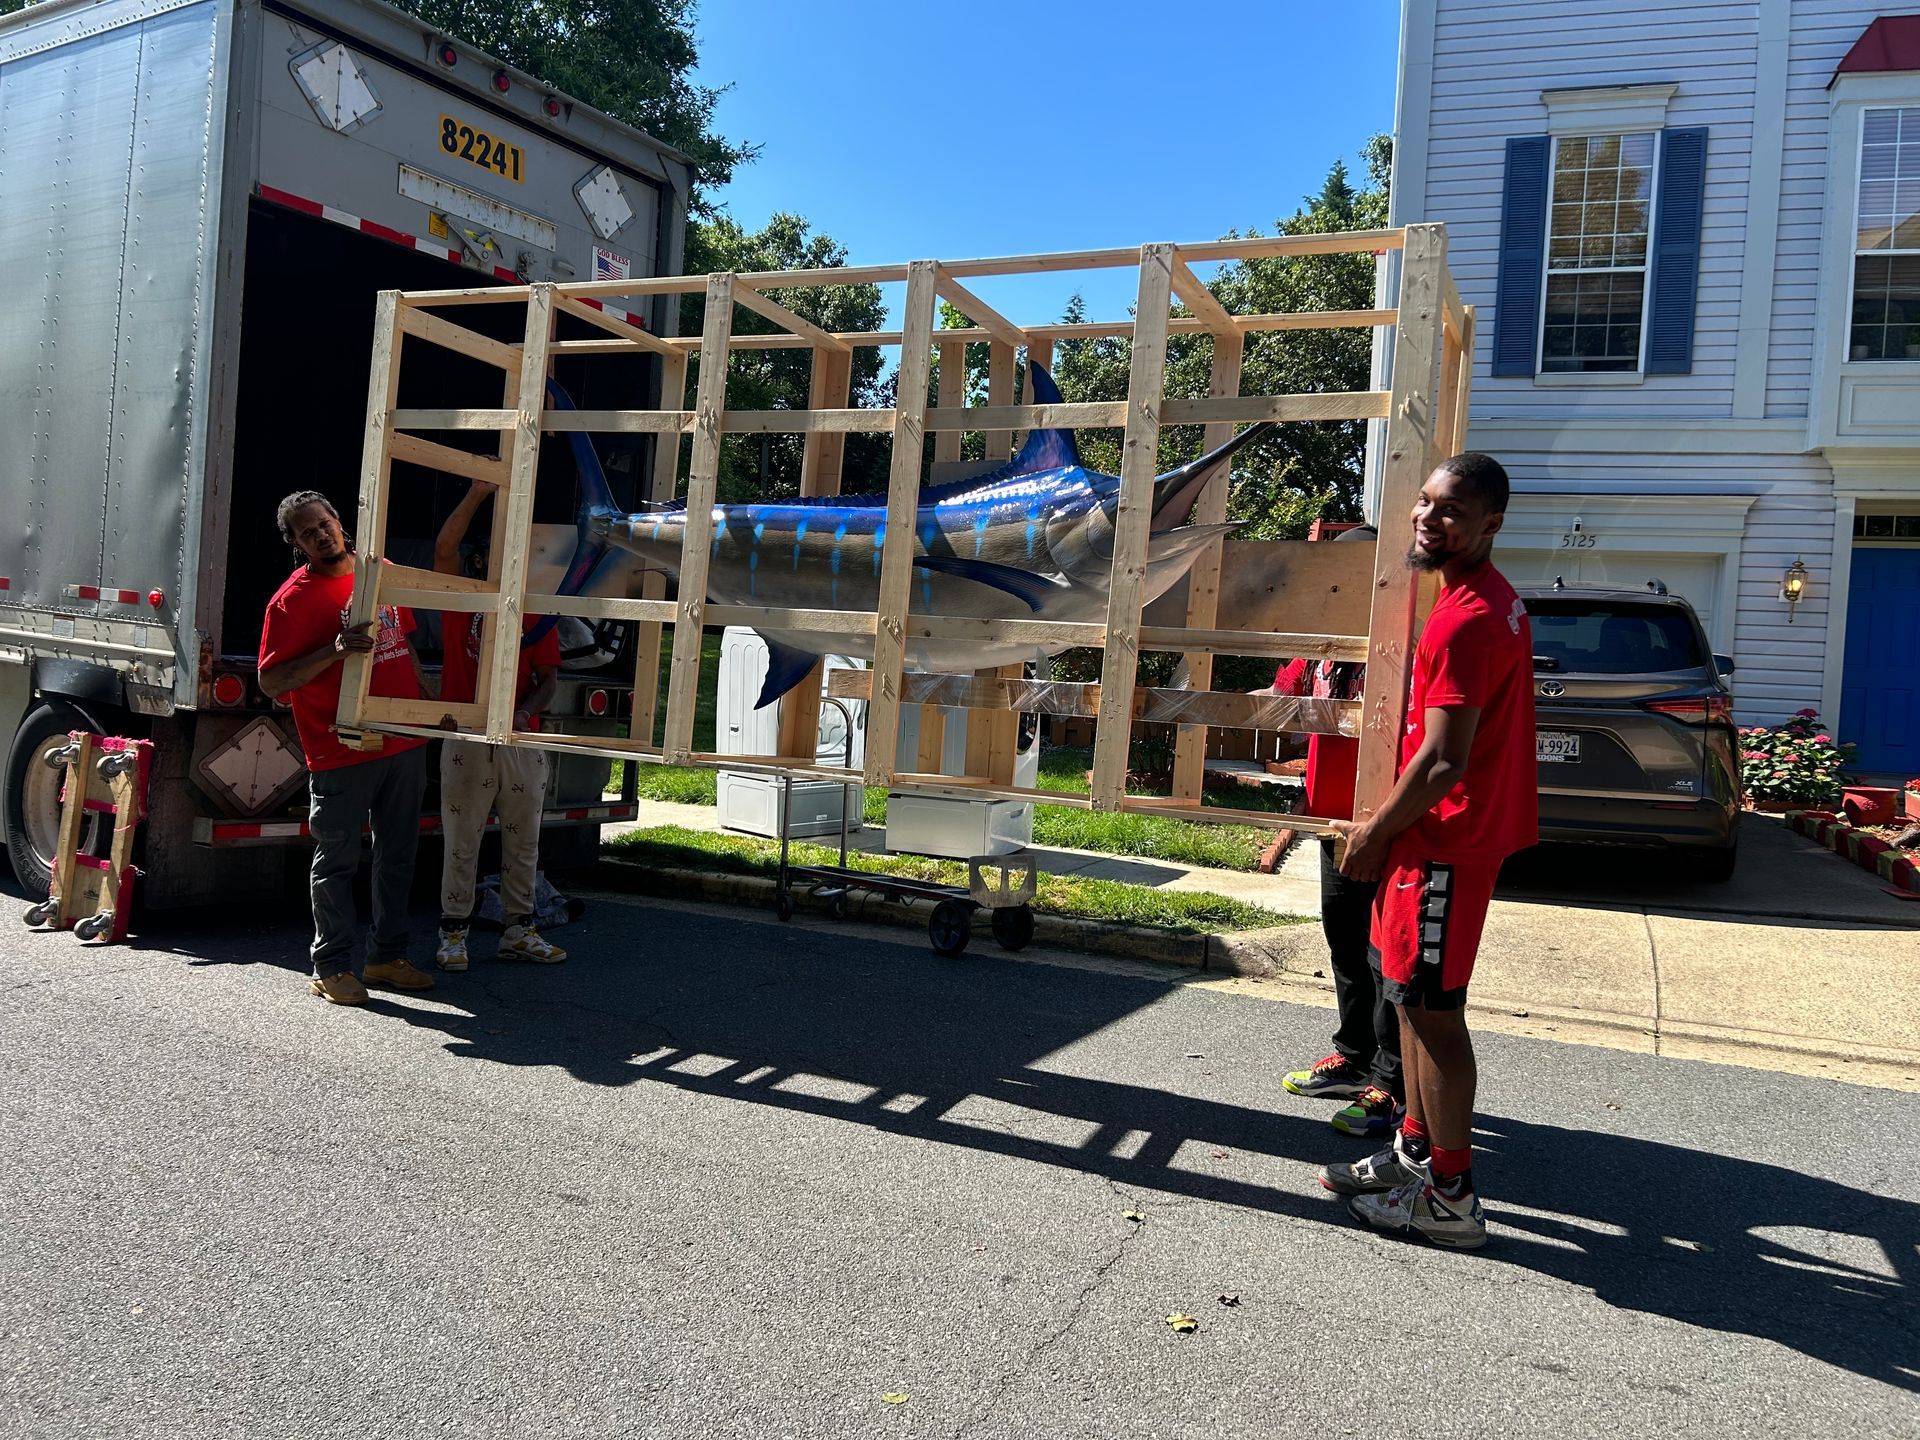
1424, 561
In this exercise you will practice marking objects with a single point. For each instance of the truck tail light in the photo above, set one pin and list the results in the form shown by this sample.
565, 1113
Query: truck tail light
1700, 710
596, 702
501, 82
229, 690
552, 107
449, 56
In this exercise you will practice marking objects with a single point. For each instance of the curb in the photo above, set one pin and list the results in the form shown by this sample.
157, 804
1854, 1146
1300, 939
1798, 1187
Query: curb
1869, 852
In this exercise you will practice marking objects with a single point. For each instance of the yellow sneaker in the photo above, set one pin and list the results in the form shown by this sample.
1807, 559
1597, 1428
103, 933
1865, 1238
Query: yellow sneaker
398, 975
526, 943
341, 989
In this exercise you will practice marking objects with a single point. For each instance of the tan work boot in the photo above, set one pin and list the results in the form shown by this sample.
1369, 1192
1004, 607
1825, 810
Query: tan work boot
341, 989
397, 975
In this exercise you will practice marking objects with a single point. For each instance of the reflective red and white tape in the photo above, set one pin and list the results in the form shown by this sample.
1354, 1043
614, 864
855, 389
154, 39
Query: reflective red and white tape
108, 593
414, 242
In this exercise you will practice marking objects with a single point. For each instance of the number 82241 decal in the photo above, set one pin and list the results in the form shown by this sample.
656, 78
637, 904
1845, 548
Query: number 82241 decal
461, 140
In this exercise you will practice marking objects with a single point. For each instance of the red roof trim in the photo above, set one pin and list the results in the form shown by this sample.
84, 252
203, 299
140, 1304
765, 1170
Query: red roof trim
1890, 43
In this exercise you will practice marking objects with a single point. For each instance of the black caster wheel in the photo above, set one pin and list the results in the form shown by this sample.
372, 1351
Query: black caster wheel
950, 928
840, 905
783, 906
1013, 927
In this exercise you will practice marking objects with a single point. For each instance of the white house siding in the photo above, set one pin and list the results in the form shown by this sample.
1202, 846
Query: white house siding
1822, 33
1490, 63
1778, 665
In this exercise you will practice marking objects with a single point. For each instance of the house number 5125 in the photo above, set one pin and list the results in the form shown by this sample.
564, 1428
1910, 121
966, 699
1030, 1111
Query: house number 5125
1578, 540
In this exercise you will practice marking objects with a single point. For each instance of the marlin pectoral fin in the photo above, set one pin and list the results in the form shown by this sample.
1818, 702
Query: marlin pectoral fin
1030, 588
1045, 449
1175, 492
786, 668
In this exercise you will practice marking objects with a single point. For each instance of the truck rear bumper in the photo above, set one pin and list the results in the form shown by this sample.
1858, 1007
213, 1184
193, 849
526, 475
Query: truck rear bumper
228, 834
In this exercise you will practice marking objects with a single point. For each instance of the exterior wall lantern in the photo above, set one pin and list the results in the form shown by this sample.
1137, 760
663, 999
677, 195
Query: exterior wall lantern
1793, 586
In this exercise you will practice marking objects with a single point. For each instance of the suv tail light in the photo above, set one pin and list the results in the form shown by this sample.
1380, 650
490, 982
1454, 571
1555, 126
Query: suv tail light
1698, 710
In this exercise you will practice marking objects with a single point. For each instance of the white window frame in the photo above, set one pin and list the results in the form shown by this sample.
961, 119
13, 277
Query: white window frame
1853, 231
1600, 377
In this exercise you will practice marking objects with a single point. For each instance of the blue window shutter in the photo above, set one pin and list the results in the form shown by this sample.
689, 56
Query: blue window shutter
1675, 281
1523, 249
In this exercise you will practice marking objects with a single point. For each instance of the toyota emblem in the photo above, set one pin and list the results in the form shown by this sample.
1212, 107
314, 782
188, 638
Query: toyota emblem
1552, 689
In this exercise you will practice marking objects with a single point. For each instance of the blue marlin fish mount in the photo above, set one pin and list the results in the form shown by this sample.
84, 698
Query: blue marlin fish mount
1030, 540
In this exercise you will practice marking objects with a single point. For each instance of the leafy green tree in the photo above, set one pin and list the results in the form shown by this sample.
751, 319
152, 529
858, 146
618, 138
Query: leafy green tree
1302, 471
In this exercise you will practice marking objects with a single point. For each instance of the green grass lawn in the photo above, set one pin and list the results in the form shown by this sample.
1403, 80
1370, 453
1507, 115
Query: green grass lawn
1193, 912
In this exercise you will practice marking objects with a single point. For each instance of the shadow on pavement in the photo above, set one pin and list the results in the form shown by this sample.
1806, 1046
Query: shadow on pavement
887, 1036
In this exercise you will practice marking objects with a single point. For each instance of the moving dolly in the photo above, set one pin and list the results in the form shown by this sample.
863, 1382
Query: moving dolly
106, 775
1001, 884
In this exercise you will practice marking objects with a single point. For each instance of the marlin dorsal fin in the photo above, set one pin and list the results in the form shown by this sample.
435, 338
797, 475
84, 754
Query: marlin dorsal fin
1045, 449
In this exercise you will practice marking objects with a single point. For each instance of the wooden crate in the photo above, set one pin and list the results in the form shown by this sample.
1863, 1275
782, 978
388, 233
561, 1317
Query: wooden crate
1425, 420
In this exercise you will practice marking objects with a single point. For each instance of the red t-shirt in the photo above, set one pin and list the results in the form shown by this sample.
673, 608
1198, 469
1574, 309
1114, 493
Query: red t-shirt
1477, 651
1333, 761
461, 662
305, 614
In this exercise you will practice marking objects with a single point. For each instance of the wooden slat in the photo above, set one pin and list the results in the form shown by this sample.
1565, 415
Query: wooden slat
1246, 409
455, 419
1079, 330
615, 422
750, 297
434, 714
600, 319
1000, 364
1197, 298
458, 338
1267, 247
1409, 457
1080, 415
513, 535
1222, 815
447, 460
1463, 383
1139, 458
376, 469
1203, 579
653, 585
805, 422
903, 494
983, 315
1039, 352
952, 396
933, 739
683, 682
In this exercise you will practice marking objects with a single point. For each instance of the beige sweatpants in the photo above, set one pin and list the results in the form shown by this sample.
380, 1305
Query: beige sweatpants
476, 778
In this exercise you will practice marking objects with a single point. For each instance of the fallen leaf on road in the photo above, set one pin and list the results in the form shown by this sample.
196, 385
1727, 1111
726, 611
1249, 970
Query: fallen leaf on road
1518, 1014
1221, 1155
1134, 1215
896, 1397
1183, 1323
1195, 1055
1229, 1300
1613, 1105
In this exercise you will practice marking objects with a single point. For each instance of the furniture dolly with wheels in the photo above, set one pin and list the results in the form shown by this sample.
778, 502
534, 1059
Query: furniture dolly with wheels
106, 775
1007, 892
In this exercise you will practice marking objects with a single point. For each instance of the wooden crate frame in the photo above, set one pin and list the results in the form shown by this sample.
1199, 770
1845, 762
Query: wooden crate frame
1425, 415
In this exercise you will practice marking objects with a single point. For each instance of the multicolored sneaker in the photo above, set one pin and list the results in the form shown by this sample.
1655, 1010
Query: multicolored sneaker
1374, 1113
1334, 1078
526, 943
452, 954
1380, 1172
1416, 1208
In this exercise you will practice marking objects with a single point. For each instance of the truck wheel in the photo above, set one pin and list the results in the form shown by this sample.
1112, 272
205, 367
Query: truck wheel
33, 796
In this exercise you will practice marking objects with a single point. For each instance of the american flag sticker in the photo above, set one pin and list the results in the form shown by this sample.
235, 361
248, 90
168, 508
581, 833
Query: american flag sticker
607, 265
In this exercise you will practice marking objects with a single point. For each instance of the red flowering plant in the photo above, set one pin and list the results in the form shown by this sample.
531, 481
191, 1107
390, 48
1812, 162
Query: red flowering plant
1797, 761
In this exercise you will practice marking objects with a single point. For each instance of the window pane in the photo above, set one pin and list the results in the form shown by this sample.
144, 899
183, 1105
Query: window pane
1880, 127
1636, 150
1886, 308
1593, 322
1600, 212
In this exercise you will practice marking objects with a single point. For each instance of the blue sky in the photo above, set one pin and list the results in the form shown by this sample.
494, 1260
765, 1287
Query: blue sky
921, 131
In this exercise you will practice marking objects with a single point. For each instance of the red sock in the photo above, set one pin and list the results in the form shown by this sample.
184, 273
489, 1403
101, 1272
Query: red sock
1414, 1129
1447, 1164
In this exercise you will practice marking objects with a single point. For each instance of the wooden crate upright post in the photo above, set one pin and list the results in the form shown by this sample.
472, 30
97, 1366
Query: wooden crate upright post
1203, 580
824, 456
370, 526
703, 480
513, 536
953, 395
1139, 461
1000, 367
903, 498
653, 584
1410, 456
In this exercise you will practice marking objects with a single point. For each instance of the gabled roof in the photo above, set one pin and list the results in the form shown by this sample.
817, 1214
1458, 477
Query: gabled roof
1890, 43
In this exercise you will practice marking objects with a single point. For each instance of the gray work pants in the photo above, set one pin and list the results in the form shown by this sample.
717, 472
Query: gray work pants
385, 790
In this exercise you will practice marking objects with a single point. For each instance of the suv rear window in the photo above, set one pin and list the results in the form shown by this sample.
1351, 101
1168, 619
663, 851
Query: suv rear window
1598, 637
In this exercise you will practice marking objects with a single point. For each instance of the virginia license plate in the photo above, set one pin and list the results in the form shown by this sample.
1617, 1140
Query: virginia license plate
1556, 745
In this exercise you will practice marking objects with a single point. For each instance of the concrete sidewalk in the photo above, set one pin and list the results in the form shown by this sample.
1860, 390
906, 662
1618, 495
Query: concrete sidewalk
1802, 962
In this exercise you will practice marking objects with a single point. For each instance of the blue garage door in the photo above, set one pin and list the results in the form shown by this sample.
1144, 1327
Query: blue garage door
1880, 685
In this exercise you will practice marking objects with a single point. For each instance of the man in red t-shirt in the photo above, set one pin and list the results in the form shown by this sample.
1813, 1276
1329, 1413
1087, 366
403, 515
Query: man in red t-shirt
477, 778
1465, 799
302, 642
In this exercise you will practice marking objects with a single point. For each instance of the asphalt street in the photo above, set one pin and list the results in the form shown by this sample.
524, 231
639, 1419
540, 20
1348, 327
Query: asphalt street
718, 1176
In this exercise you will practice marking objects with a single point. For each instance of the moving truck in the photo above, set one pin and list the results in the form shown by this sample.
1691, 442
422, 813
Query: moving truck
199, 202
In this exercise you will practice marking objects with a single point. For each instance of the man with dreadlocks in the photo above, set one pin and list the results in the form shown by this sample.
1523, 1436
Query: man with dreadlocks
302, 644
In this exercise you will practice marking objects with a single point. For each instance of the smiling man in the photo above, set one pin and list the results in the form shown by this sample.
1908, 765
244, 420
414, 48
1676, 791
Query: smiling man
302, 643
1465, 799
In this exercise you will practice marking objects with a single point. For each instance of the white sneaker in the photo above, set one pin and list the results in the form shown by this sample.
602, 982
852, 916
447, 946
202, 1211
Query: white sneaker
527, 943
452, 954
1416, 1208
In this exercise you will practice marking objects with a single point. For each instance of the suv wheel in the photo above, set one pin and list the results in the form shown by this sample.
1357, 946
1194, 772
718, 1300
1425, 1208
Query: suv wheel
1716, 866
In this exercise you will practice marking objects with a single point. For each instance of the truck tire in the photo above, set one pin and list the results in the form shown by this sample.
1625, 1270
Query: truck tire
33, 796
